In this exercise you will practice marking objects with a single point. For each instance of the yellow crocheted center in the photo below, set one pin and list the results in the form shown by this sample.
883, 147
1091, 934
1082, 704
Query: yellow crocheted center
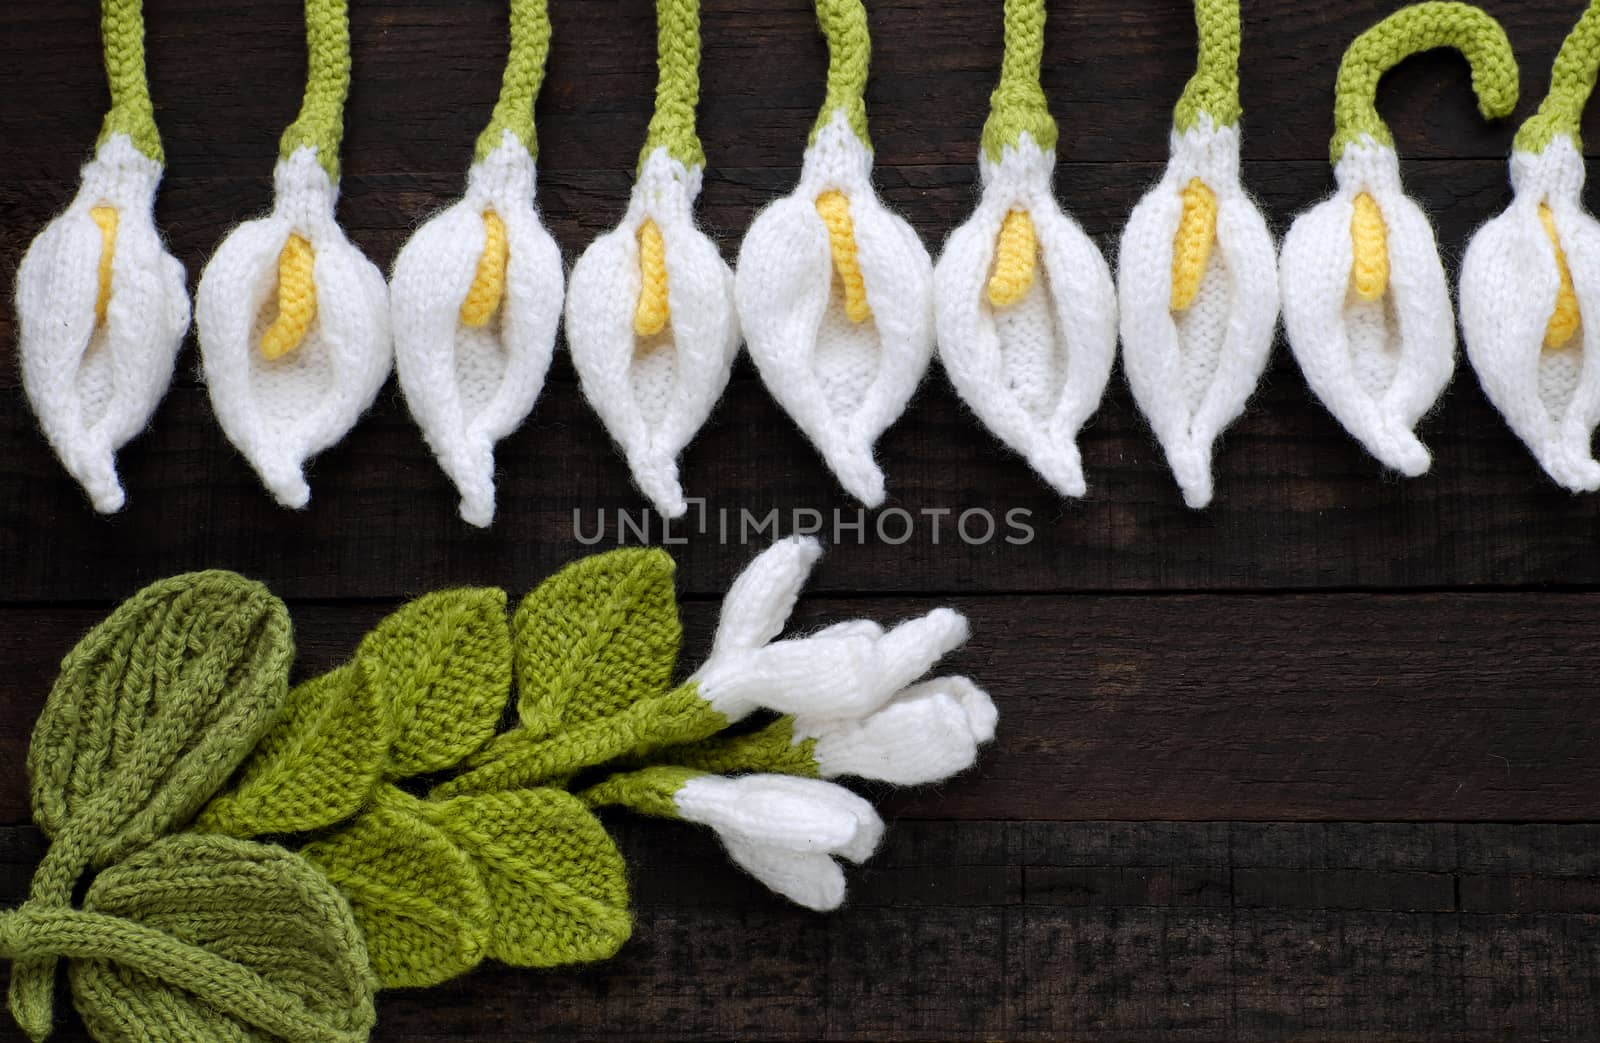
1016, 252
1564, 320
651, 313
297, 300
489, 281
1369, 242
106, 218
1191, 248
834, 209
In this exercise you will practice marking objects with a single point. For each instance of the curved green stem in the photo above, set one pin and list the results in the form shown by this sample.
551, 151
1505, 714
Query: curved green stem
844, 23
530, 45
122, 34
648, 791
677, 83
1018, 104
1213, 90
1412, 30
320, 124
1572, 80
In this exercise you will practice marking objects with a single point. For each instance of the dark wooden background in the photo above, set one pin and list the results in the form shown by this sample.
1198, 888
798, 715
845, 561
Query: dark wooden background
1317, 763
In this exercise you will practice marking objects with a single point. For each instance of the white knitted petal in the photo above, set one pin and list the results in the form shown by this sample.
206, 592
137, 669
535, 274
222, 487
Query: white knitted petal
810, 880
1035, 370
761, 598
782, 811
469, 387
279, 413
1192, 373
926, 733
1378, 366
654, 394
1509, 282
845, 675
842, 382
95, 385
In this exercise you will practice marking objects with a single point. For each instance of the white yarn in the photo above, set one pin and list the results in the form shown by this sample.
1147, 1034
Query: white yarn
279, 413
1377, 365
1509, 281
468, 387
1035, 370
785, 831
654, 394
843, 383
95, 385
926, 733
1192, 374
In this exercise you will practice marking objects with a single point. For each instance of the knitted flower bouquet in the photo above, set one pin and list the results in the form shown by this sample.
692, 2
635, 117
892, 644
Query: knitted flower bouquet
1530, 282
262, 858
1197, 276
1365, 302
101, 305
1025, 308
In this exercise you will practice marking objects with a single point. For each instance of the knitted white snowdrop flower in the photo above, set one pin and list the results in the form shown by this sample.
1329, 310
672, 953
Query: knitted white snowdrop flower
1197, 273
1530, 281
1025, 309
293, 319
650, 317
475, 296
101, 305
1365, 303
834, 290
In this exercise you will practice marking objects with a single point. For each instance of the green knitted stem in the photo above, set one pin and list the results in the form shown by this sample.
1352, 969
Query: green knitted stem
320, 124
530, 45
122, 33
772, 749
677, 85
1571, 82
1213, 90
1412, 30
649, 791
1018, 104
844, 23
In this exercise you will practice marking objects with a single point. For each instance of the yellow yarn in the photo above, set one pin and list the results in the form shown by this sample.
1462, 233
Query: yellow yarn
297, 300
1564, 320
651, 314
106, 218
489, 281
1191, 249
834, 209
1369, 240
1016, 253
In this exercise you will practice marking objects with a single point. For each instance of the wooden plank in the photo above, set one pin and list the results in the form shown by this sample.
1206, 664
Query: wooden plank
1252, 957
1327, 707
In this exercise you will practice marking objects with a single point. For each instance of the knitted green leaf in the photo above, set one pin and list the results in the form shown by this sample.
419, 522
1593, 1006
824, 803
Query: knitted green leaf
425, 914
594, 638
442, 664
154, 708
315, 767
205, 938
555, 880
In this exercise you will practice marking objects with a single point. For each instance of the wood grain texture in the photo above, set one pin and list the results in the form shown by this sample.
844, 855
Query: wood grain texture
1315, 764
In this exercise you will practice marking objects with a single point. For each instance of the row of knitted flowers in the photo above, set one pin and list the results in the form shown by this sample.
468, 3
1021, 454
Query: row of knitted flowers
261, 858
833, 294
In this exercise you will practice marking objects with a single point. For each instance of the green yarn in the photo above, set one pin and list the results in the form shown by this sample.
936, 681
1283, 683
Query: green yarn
844, 24
771, 749
529, 877
1018, 104
596, 637
153, 709
122, 35
519, 87
320, 124
1412, 30
1572, 80
649, 791
1213, 90
677, 85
